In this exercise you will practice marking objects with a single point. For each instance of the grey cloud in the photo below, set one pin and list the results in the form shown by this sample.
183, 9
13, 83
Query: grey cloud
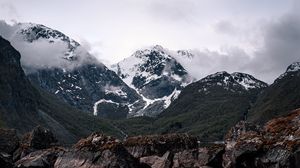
280, 48
225, 27
8, 11
207, 62
40, 54
173, 10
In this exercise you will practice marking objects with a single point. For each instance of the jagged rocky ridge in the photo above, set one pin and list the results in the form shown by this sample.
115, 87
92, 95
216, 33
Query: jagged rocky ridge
276, 144
78, 78
155, 75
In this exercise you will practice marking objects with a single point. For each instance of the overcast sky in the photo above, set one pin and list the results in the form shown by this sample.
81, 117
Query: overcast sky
255, 36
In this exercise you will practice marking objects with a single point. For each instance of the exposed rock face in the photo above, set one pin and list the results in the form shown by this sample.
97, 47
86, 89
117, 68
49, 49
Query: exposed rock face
141, 146
208, 156
97, 151
39, 138
275, 145
41, 158
158, 162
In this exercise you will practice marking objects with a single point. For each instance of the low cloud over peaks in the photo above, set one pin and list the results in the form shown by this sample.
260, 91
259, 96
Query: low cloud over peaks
43, 53
279, 48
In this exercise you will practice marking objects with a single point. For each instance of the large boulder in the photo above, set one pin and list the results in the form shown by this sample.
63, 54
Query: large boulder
41, 158
141, 146
158, 162
98, 151
206, 156
39, 138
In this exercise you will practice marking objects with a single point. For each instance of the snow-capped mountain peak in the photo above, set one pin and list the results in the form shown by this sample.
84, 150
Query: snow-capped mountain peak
236, 79
154, 73
294, 67
248, 81
52, 48
32, 32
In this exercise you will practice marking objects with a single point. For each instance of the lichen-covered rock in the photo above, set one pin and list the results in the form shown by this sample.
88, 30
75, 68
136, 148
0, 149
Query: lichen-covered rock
158, 162
98, 151
41, 158
208, 156
274, 145
141, 146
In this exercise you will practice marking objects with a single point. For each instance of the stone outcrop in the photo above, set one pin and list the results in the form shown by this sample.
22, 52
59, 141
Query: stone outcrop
98, 151
207, 156
39, 138
276, 144
41, 158
141, 146
173, 150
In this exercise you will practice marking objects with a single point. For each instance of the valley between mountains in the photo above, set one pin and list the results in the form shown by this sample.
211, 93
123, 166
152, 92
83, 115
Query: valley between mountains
146, 97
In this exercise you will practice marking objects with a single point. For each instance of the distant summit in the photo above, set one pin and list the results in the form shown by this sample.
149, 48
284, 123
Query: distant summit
155, 75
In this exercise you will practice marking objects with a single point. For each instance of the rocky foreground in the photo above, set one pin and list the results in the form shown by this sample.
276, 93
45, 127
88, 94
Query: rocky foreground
276, 144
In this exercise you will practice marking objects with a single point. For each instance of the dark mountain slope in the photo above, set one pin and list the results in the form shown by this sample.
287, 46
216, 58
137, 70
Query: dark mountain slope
279, 98
211, 106
22, 106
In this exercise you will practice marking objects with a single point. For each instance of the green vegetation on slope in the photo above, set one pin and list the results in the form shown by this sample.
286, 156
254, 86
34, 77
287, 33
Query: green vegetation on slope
278, 99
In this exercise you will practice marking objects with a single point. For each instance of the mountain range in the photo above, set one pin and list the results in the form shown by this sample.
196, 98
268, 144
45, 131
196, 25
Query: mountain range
150, 92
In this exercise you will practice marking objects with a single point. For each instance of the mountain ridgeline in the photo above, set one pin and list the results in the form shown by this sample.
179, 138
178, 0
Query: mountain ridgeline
150, 92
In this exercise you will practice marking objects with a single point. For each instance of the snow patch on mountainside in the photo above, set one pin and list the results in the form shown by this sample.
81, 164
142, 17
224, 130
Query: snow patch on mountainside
231, 81
109, 89
99, 102
151, 69
248, 81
